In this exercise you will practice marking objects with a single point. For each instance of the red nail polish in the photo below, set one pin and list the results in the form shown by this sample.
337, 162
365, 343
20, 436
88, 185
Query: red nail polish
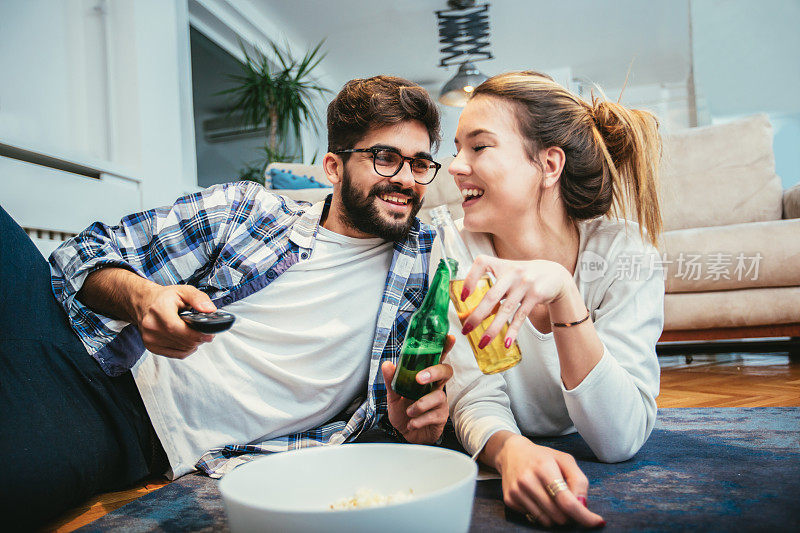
508, 342
484, 341
464, 293
582, 499
467, 328
603, 523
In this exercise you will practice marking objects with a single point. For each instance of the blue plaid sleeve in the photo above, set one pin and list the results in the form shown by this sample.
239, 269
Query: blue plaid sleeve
168, 245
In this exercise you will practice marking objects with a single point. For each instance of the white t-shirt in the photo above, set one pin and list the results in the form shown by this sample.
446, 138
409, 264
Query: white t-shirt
614, 407
297, 355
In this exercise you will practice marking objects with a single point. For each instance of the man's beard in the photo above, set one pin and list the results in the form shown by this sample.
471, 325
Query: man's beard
361, 212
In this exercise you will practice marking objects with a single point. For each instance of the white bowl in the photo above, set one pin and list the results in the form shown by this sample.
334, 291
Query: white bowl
294, 491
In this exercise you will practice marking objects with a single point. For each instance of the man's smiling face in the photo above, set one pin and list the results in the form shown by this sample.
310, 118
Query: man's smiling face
371, 205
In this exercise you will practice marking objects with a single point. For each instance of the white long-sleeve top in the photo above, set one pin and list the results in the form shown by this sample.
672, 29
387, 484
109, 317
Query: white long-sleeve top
614, 407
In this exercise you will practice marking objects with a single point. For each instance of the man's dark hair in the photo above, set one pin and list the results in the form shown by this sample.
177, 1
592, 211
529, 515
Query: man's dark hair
363, 104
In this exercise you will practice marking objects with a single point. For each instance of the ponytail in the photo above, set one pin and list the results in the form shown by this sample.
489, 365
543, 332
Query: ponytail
612, 153
631, 149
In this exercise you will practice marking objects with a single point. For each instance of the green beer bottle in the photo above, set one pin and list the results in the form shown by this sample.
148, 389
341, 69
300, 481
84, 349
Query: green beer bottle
427, 331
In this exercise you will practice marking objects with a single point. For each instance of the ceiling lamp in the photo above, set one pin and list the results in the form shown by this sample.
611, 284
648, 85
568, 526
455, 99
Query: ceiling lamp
457, 91
464, 35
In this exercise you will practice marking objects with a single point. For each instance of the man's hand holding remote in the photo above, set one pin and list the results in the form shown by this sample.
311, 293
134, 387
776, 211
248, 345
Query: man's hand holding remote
154, 308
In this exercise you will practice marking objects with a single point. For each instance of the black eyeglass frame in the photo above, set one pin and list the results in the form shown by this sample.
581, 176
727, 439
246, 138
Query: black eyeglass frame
374, 151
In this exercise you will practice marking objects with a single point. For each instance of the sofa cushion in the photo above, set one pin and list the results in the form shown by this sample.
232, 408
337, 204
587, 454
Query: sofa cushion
442, 191
283, 179
732, 309
758, 254
721, 174
791, 202
304, 195
312, 172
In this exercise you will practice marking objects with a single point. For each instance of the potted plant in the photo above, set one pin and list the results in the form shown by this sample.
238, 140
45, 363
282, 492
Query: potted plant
276, 94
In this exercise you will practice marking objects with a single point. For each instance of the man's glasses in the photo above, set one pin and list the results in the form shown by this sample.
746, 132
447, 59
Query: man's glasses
388, 163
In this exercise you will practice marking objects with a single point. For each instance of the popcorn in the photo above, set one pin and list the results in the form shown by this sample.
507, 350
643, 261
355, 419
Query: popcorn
364, 498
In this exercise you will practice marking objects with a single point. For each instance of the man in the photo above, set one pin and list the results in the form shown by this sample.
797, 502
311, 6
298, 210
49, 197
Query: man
322, 294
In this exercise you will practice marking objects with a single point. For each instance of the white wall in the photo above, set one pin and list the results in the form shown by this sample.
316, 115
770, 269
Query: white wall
104, 84
747, 60
52, 77
163, 98
787, 147
747, 55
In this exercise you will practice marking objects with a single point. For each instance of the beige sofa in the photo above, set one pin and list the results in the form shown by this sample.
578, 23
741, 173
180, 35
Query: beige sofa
731, 247
724, 203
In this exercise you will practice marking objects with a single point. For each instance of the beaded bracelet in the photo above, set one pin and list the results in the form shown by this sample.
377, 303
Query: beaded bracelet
570, 324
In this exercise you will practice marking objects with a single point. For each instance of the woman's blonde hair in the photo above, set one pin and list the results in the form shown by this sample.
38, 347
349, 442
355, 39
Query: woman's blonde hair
612, 152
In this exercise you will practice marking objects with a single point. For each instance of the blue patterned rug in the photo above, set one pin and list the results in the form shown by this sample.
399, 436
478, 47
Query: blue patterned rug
720, 469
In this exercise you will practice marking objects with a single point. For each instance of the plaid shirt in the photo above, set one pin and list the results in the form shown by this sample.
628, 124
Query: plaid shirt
230, 241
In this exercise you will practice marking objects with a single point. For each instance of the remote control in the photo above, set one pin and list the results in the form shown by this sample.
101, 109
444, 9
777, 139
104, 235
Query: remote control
215, 322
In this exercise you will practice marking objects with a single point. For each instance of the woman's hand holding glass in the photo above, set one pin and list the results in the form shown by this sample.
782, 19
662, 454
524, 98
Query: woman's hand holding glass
518, 287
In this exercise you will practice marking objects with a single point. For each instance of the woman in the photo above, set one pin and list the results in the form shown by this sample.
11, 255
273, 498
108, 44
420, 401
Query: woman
545, 176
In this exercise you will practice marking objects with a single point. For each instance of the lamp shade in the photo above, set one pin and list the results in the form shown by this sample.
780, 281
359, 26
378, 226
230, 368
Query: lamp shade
457, 91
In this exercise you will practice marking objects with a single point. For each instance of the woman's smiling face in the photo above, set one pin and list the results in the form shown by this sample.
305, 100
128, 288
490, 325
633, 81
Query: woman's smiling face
499, 183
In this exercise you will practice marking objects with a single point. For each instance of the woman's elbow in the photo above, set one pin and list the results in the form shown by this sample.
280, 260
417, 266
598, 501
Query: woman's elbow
616, 454
620, 449
619, 444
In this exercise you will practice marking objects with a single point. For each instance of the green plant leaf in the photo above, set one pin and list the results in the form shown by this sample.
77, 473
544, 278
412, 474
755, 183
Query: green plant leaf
277, 94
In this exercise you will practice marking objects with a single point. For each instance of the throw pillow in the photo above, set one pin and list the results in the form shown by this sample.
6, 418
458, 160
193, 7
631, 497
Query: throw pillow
284, 179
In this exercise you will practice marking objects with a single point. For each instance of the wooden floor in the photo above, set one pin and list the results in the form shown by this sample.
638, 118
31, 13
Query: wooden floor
101, 505
730, 380
721, 380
